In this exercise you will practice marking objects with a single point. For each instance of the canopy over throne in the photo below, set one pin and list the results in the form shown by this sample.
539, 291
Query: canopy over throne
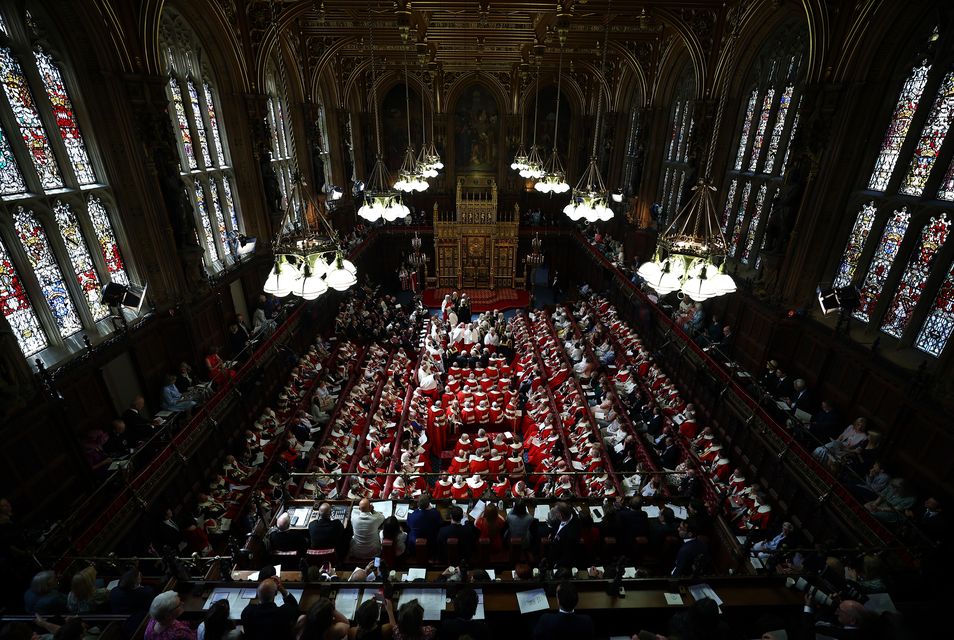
476, 246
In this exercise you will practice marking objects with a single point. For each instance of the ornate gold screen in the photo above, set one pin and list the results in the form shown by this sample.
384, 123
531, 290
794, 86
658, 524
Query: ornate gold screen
476, 246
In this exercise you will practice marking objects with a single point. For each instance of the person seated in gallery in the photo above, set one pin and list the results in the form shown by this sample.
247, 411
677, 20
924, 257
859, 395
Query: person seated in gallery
218, 369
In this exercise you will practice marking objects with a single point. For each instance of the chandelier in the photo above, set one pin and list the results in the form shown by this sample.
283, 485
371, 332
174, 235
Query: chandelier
534, 259
417, 258
531, 166
520, 158
554, 177
410, 177
690, 253
589, 199
380, 201
429, 162
309, 258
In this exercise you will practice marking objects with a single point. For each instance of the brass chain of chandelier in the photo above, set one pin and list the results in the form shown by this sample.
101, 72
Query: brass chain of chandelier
409, 176
309, 258
379, 200
690, 253
554, 177
532, 167
590, 200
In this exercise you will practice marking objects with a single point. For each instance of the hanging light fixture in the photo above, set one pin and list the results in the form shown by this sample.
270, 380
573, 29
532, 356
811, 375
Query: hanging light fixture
690, 253
379, 200
533, 167
429, 162
520, 158
303, 240
409, 177
590, 200
554, 177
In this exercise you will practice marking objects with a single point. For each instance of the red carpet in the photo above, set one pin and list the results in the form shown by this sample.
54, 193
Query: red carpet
481, 299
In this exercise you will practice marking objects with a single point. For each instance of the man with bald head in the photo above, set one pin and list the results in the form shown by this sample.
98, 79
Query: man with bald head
852, 620
326, 533
283, 537
366, 522
266, 620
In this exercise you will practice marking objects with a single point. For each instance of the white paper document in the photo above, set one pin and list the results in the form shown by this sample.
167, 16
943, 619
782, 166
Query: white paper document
346, 602
597, 513
533, 600
479, 614
414, 574
700, 591
384, 506
478, 509
432, 600
672, 599
541, 512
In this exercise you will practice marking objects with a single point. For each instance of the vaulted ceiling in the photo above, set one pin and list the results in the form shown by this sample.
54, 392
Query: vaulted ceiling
333, 40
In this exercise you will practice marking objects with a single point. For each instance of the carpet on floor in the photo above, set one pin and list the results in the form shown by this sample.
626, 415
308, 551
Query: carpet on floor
482, 299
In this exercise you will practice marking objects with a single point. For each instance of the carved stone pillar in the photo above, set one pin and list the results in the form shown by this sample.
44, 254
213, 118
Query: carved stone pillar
257, 108
161, 159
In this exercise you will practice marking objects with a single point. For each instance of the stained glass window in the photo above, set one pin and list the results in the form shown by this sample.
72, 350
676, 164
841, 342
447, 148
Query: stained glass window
79, 258
784, 101
47, 271
11, 180
791, 134
739, 217
17, 309
217, 211
880, 266
937, 328
31, 126
746, 128
754, 222
206, 221
199, 124
768, 223
856, 244
65, 117
214, 125
229, 203
946, 192
729, 201
760, 131
932, 137
107, 240
906, 298
898, 129
185, 136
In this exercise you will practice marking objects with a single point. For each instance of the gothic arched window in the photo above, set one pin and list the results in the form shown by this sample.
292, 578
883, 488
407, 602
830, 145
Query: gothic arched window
203, 148
897, 251
58, 230
676, 152
767, 124
282, 145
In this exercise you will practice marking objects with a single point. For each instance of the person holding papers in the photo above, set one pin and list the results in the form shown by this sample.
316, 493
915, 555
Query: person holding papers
266, 620
566, 623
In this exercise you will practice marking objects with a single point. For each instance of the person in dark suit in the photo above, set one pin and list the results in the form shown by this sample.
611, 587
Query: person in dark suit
669, 457
465, 606
693, 555
325, 532
130, 596
566, 623
424, 522
119, 443
654, 425
802, 398
140, 427
283, 538
784, 385
565, 537
464, 532
634, 522
266, 620
851, 620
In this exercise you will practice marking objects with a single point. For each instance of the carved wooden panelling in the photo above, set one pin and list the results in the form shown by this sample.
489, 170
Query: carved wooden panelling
90, 403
